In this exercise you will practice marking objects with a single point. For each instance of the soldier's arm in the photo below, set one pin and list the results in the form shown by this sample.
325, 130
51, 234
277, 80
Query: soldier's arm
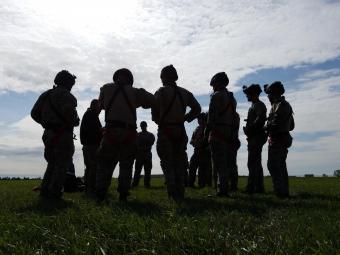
68, 105
145, 99
101, 100
260, 120
155, 111
195, 108
36, 110
212, 113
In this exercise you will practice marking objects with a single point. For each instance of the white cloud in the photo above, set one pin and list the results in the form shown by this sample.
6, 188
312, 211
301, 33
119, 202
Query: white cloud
200, 38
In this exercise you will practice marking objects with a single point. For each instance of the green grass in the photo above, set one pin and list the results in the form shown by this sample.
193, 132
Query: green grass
308, 223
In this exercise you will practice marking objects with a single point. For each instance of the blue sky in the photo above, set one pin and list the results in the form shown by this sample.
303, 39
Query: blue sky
294, 42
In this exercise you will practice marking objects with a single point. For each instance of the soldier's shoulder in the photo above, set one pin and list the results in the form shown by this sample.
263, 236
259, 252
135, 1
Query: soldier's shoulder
260, 105
285, 103
106, 86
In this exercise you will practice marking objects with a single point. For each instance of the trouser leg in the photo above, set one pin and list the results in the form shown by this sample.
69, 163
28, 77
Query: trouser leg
220, 157
193, 165
138, 170
147, 171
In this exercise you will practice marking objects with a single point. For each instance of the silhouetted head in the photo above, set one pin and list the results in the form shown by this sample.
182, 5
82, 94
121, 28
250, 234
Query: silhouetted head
252, 92
65, 79
169, 74
143, 125
95, 106
274, 90
219, 80
123, 77
202, 118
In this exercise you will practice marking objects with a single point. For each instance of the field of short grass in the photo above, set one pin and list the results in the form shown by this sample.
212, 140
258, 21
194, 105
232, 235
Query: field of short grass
307, 223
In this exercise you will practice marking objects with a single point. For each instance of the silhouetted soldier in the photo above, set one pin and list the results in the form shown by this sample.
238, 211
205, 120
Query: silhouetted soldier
90, 138
201, 158
56, 111
145, 140
221, 120
170, 115
119, 100
280, 122
256, 137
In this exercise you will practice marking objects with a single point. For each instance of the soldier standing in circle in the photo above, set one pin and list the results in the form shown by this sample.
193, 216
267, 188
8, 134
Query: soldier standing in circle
201, 158
90, 138
119, 100
145, 140
56, 111
220, 129
256, 137
280, 122
170, 115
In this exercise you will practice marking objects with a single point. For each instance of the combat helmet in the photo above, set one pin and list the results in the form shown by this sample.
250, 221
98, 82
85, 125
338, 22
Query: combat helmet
274, 88
220, 78
253, 89
169, 73
123, 72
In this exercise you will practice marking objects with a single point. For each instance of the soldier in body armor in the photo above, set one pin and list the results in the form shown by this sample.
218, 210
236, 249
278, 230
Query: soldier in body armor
170, 115
56, 111
256, 137
280, 122
221, 120
145, 140
119, 100
201, 158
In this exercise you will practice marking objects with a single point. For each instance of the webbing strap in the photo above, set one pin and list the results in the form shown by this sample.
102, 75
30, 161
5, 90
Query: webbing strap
176, 92
108, 108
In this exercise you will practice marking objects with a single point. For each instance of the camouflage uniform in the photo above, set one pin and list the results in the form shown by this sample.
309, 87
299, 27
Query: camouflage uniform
256, 138
201, 159
221, 122
119, 138
279, 124
56, 111
145, 140
169, 114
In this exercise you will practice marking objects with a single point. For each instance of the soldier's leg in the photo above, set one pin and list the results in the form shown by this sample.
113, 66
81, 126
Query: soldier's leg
49, 156
233, 171
63, 160
193, 165
90, 161
165, 153
128, 152
259, 187
107, 161
284, 173
138, 169
180, 173
219, 157
252, 154
147, 170
274, 165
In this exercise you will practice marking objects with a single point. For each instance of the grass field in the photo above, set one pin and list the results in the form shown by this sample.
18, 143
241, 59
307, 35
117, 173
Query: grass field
308, 223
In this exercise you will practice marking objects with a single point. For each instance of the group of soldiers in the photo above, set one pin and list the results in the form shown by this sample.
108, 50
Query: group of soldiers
215, 140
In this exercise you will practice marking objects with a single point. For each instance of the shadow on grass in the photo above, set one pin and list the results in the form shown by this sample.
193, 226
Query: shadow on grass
257, 205
141, 208
48, 207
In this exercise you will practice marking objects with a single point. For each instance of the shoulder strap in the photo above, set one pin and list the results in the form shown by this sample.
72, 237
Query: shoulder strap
107, 110
54, 109
132, 109
166, 112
